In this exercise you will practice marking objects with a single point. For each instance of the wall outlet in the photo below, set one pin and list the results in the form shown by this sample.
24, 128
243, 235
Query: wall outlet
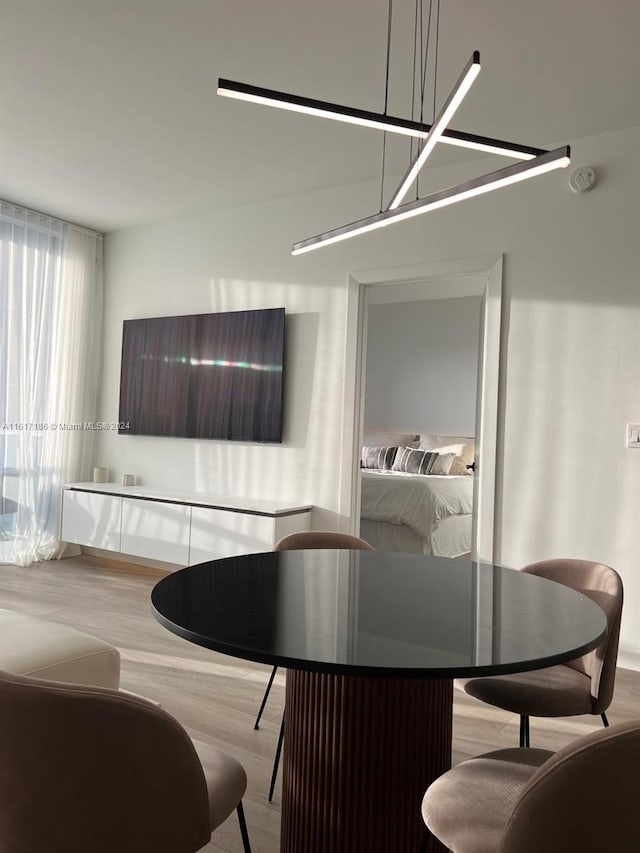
633, 435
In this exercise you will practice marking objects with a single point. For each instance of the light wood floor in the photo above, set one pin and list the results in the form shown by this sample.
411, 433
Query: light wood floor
216, 697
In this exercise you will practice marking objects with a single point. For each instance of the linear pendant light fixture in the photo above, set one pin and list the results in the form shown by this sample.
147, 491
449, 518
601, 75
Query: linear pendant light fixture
439, 125
365, 118
559, 158
533, 161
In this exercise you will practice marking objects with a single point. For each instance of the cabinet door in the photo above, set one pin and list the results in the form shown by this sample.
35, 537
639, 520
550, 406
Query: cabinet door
91, 519
156, 530
221, 533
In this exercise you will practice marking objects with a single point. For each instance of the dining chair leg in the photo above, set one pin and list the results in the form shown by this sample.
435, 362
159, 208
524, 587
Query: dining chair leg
243, 828
276, 761
256, 725
525, 739
605, 722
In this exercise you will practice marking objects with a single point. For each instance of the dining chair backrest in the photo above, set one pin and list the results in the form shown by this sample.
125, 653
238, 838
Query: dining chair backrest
310, 539
90, 768
582, 798
603, 585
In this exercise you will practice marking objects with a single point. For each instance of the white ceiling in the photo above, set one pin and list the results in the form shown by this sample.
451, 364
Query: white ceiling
109, 115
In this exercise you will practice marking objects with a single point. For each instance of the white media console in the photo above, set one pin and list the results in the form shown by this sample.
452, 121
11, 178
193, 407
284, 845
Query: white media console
174, 527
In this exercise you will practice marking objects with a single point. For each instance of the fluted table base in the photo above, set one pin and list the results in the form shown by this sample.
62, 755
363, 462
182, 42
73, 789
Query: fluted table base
359, 754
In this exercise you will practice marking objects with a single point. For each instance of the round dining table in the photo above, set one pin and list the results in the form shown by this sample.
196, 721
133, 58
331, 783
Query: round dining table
372, 642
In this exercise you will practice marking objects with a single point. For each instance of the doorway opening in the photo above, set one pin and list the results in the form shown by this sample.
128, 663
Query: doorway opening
479, 278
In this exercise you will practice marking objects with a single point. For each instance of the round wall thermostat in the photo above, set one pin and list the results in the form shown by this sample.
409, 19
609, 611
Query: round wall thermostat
582, 179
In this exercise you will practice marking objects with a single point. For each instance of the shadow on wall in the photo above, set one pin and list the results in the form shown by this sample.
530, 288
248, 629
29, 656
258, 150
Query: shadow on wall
301, 339
567, 398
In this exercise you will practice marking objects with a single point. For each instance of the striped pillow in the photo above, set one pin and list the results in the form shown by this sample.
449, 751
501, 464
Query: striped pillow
410, 461
378, 457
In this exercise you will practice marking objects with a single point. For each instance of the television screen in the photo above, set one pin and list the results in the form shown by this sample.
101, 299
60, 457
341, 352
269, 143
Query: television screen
204, 376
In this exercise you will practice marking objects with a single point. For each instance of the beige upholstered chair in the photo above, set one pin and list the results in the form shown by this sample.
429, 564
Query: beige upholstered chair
582, 798
310, 539
321, 539
92, 769
30, 645
583, 686
306, 540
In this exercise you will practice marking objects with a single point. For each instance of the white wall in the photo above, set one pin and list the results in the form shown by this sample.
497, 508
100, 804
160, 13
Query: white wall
570, 358
422, 365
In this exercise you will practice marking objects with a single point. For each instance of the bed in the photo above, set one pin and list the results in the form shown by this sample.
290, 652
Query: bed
425, 513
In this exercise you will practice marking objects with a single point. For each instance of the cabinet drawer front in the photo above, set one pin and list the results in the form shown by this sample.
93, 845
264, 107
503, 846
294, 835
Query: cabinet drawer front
219, 533
91, 519
156, 530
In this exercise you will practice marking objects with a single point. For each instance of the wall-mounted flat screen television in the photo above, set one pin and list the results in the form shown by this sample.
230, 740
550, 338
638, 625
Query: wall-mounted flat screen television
204, 376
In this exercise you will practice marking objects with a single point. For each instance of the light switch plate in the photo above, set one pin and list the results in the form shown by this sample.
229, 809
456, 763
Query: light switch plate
633, 435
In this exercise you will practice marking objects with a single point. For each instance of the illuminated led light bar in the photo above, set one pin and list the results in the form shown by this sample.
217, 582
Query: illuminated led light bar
556, 159
353, 115
438, 127
324, 109
489, 145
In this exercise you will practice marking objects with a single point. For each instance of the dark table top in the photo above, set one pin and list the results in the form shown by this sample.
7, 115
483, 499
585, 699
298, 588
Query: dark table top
373, 613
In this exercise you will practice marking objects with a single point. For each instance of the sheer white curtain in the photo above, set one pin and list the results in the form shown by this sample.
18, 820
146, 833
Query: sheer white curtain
50, 332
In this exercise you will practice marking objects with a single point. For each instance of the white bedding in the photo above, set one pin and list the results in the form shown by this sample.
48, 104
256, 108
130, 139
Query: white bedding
451, 538
418, 501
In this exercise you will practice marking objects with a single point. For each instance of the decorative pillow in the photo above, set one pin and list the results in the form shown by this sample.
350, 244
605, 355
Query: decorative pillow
464, 454
459, 467
411, 461
442, 465
378, 457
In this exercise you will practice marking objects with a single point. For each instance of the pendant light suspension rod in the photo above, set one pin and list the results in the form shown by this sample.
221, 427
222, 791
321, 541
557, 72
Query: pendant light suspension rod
424, 64
386, 99
353, 115
438, 127
556, 159
413, 80
435, 61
